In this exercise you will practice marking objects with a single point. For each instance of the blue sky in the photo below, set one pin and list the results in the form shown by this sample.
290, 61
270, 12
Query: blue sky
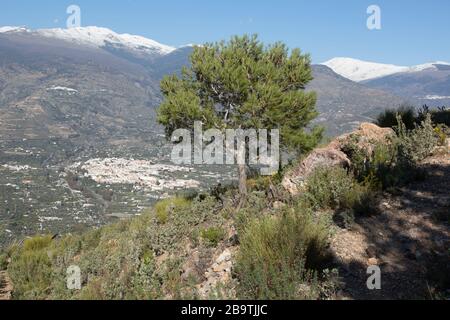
412, 32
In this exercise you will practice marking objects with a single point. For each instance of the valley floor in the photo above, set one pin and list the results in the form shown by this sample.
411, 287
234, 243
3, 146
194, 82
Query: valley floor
409, 240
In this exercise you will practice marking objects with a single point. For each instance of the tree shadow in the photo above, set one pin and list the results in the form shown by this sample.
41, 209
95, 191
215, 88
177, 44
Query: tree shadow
410, 239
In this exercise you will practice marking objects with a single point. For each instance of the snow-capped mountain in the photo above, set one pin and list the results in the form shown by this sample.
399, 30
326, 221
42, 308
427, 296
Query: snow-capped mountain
13, 29
427, 83
97, 37
358, 70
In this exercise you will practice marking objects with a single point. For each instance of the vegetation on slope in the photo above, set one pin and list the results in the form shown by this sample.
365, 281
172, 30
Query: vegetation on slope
281, 241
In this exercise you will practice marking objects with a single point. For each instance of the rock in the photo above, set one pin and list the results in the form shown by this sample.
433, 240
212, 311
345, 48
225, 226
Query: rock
369, 135
223, 267
216, 268
224, 257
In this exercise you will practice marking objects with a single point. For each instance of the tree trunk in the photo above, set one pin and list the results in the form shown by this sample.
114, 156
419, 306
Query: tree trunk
242, 181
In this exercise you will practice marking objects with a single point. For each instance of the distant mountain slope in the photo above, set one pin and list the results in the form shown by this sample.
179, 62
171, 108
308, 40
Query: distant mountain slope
359, 70
429, 86
96, 37
105, 95
172, 62
343, 104
94, 84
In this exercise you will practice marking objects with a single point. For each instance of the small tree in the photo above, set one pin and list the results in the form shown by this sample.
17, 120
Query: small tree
242, 84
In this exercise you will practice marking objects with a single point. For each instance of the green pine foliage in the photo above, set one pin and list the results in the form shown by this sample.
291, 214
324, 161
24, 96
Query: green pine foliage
243, 84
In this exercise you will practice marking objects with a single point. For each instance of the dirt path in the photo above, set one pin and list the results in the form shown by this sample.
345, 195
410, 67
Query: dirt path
5, 286
409, 240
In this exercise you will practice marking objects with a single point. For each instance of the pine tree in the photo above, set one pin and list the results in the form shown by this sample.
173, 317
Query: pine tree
242, 84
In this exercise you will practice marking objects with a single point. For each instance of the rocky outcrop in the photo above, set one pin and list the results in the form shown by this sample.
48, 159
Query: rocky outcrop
367, 137
368, 134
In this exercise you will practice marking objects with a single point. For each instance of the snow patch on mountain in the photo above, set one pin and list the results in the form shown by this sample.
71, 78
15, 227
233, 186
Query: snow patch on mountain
359, 70
8, 29
101, 37
435, 97
60, 88
98, 37
426, 66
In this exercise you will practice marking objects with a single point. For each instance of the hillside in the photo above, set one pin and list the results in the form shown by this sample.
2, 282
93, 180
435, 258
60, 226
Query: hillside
344, 104
281, 244
73, 98
426, 83
430, 86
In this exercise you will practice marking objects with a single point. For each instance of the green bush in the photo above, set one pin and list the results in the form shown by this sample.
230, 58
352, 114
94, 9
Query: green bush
117, 261
439, 116
31, 268
37, 243
164, 207
364, 201
382, 171
358, 156
3, 261
397, 161
388, 118
274, 254
331, 188
212, 235
442, 132
415, 145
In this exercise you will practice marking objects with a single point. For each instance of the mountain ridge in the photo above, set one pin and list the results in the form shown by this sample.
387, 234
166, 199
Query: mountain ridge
125, 78
96, 37
360, 70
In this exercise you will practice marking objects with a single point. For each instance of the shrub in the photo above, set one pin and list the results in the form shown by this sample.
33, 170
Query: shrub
440, 116
37, 243
364, 200
381, 171
212, 235
415, 145
331, 188
395, 162
162, 216
31, 268
255, 207
358, 156
259, 183
441, 132
274, 254
164, 207
3, 261
388, 119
